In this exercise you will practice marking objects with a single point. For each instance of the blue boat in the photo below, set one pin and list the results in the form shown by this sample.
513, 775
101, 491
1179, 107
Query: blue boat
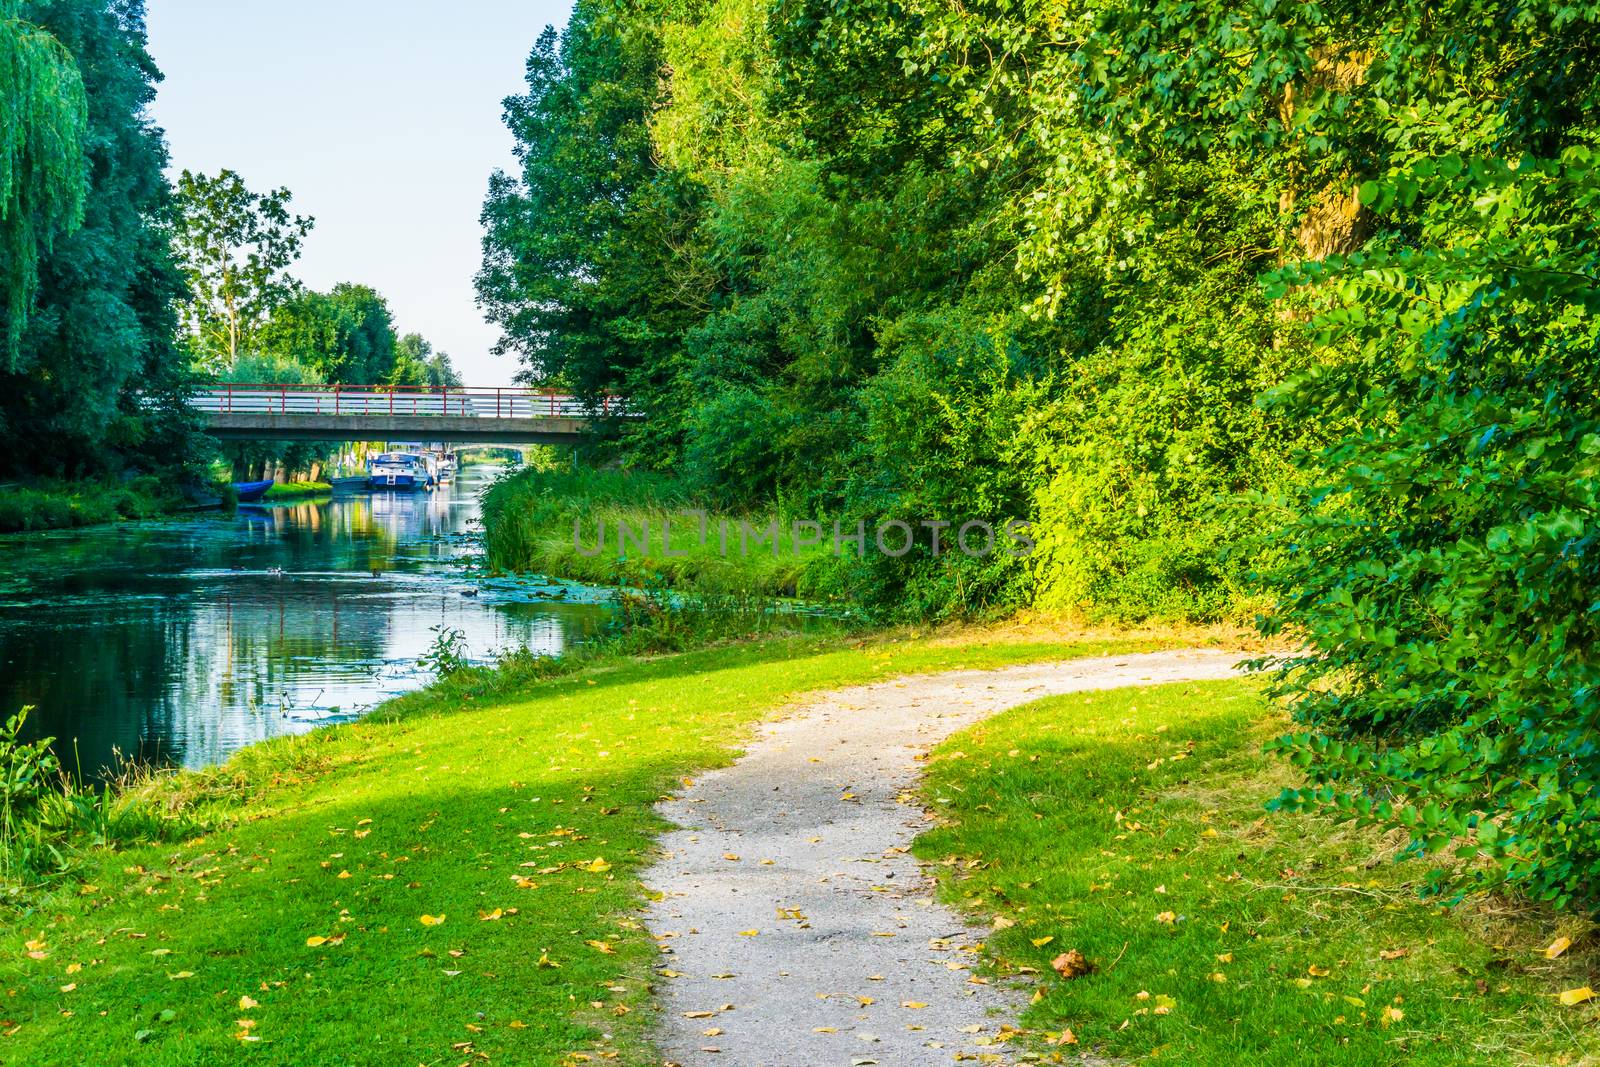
250, 492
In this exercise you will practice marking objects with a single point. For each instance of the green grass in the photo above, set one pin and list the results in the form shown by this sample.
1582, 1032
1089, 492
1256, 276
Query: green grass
293, 490
62, 505
435, 806
528, 527
1129, 826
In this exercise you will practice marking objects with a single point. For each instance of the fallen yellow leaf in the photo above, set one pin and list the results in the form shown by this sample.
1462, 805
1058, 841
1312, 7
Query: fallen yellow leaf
1557, 947
1576, 996
431, 920
247, 1002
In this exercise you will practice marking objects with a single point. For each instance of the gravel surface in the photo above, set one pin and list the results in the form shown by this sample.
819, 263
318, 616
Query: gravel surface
796, 931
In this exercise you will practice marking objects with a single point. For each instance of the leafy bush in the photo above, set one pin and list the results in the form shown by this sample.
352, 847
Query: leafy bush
47, 818
1442, 566
1446, 572
55, 506
447, 654
27, 773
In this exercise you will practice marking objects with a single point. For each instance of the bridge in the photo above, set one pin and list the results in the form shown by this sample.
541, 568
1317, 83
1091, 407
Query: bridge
492, 415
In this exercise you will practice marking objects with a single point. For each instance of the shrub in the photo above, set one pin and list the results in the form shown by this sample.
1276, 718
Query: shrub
1445, 572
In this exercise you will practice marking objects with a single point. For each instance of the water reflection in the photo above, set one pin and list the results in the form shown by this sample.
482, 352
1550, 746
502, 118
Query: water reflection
185, 641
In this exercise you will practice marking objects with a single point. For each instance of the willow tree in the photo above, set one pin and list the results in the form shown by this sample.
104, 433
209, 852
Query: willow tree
43, 177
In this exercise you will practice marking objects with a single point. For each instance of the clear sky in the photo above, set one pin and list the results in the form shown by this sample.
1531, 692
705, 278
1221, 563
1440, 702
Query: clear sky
383, 118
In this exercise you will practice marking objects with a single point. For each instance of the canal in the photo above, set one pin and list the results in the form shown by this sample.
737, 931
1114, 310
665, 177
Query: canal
181, 642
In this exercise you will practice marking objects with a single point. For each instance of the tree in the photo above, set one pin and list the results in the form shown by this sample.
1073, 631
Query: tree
587, 268
345, 335
43, 177
416, 363
236, 248
98, 384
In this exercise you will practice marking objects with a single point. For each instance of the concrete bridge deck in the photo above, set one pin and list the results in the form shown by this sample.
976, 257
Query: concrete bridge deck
378, 413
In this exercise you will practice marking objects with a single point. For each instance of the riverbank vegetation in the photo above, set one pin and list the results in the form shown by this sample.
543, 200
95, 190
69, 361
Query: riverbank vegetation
1116, 845
612, 527
296, 490
472, 850
55, 505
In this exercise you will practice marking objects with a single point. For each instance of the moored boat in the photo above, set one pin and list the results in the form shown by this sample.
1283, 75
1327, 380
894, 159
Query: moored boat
399, 470
250, 492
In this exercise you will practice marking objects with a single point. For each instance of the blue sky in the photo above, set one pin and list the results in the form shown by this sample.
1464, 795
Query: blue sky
383, 118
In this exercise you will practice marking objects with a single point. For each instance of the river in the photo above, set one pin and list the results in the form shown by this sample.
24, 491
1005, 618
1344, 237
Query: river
180, 642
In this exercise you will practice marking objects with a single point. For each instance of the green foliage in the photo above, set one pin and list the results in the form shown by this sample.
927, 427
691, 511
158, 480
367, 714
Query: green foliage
583, 254
345, 335
1440, 558
26, 770
237, 246
880, 265
549, 522
59, 505
1445, 568
416, 363
96, 387
43, 174
447, 654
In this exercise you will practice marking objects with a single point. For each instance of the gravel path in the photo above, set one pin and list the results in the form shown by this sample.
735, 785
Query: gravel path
796, 930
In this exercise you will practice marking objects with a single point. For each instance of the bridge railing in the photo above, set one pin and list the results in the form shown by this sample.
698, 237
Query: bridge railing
491, 402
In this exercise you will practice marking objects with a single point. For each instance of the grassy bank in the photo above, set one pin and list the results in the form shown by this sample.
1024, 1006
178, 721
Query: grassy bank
529, 522
295, 490
62, 505
1128, 826
452, 878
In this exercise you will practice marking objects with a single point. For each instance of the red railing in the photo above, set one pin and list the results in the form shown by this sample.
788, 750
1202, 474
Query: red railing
492, 402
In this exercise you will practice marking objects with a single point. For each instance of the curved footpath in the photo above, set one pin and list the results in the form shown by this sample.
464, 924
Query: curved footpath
796, 929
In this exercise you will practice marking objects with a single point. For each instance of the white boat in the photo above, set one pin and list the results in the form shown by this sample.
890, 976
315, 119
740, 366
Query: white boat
401, 470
